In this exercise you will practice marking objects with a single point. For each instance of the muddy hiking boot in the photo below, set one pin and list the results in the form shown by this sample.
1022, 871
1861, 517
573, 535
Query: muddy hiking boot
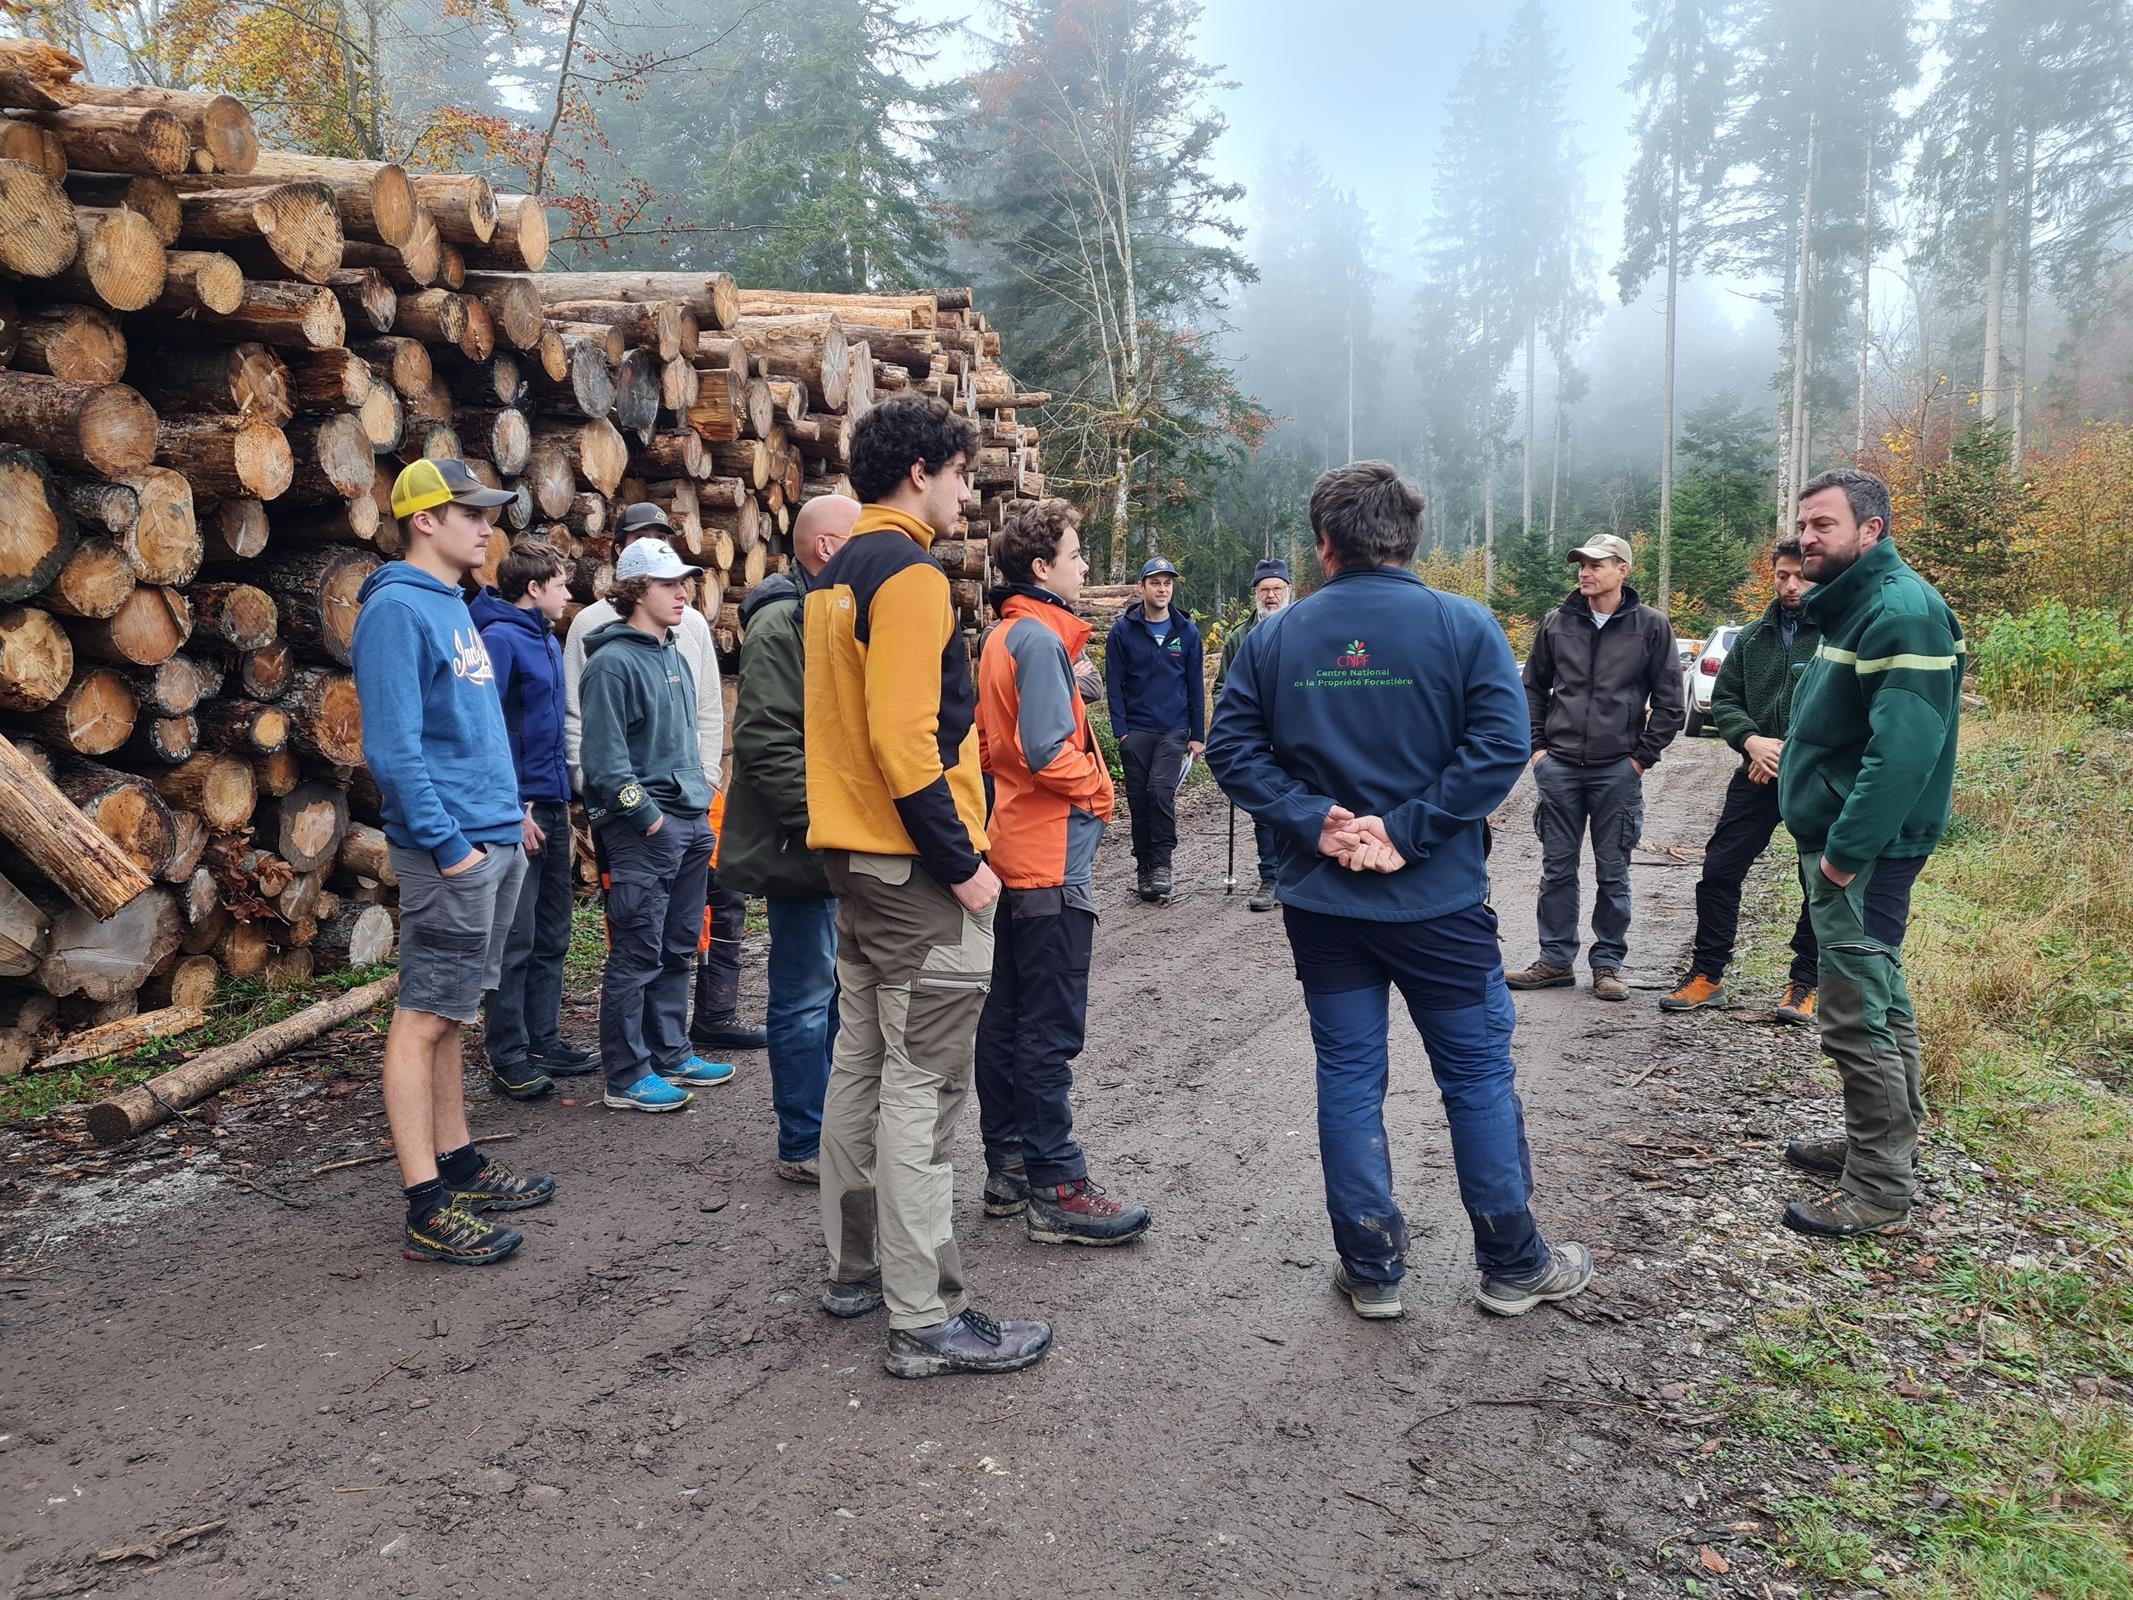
1840, 1214
1144, 883
1264, 900
1081, 1213
1607, 984
1162, 883
1696, 991
521, 1080
1798, 1006
1372, 1301
1824, 1157
851, 1298
972, 1342
1007, 1190
1567, 1271
495, 1187
454, 1232
1541, 975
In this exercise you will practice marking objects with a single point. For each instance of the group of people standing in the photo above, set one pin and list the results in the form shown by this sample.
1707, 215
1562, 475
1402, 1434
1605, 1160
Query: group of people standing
924, 836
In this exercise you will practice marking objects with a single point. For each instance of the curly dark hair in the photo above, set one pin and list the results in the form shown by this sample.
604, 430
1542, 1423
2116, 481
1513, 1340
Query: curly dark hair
1033, 534
626, 594
900, 431
1368, 513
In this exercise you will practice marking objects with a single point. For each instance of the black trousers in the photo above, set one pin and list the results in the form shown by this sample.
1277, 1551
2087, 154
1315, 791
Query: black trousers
1030, 1033
1745, 823
1155, 766
718, 975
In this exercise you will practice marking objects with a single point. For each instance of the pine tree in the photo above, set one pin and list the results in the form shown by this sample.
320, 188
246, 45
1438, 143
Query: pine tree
1974, 504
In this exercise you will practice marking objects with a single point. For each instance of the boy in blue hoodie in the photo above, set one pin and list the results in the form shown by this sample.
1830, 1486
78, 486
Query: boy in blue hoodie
522, 1022
434, 739
648, 795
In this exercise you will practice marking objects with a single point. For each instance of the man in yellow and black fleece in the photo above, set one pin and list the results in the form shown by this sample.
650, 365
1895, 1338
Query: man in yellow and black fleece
896, 805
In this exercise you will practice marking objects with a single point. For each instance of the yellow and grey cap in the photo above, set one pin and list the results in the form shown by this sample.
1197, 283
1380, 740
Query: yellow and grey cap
428, 484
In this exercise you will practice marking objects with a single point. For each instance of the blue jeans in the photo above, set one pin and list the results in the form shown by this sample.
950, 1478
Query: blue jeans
802, 1016
1449, 970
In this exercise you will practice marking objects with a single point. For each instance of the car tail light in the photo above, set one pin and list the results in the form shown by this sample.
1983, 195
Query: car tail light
1708, 666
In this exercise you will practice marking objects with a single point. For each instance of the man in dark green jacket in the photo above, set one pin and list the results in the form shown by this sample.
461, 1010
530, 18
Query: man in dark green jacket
1270, 592
764, 850
1750, 703
1866, 786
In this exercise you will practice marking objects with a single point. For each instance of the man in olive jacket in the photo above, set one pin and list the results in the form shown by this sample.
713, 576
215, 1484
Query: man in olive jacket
765, 848
1750, 705
1866, 786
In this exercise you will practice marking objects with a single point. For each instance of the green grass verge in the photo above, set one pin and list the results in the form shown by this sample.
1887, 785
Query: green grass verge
1963, 1386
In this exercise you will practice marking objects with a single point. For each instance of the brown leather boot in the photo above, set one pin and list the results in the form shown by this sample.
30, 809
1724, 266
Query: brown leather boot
1541, 976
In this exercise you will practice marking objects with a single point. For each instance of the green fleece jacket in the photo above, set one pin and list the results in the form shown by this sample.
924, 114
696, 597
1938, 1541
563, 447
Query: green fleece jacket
1869, 766
639, 746
763, 849
1753, 694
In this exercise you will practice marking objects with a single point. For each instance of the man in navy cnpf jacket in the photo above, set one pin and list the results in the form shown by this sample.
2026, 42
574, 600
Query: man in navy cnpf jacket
1374, 726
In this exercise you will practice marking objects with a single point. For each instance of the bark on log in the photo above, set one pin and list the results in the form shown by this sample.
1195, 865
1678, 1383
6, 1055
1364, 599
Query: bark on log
367, 299
520, 242
681, 452
121, 262
110, 959
402, 362
168, 740
110, 506
236, 615
136, 1110
711, 295
292, 227
654, 324
189, 982
120, 138
96, 581
364, 854
304, 827
171, 688
40, 237
218, 787
93, 716
38, 819
153, 198
101, 428
325, 715
596, 451
122, 1037
197, 281
317, 589
277, 774
333, 458
151, 626
217, 125
75, 342
356, 936
501, 436
225, 456
25, 932
435, 316
247, 379
236, 529
299, 316
38, 533
243, 728
514, 308
463, 204
358, 519
164, 545
587, 388
124, 808
375, 199
808, 348
329, 381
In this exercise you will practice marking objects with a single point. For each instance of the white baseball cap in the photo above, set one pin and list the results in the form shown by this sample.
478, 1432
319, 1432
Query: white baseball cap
653, 558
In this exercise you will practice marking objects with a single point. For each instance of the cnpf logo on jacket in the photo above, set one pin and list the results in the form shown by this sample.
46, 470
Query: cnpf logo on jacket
1356, 655
470, 657
1351, 669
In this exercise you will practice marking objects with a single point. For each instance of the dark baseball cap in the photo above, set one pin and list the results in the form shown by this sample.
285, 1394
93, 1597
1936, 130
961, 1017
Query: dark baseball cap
427, 484
1157, 567
641, 518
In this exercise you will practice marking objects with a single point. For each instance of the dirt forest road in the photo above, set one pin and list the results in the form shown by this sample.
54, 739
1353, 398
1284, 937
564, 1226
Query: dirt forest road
647, 1400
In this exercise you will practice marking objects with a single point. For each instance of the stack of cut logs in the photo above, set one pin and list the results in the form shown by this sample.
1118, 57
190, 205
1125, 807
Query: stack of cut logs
214, 359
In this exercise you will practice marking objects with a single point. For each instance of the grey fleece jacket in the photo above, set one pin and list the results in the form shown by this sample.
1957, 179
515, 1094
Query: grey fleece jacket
639, 747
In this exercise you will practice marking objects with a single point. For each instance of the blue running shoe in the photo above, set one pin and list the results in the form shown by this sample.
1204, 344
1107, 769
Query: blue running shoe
698, 1071
649, 1093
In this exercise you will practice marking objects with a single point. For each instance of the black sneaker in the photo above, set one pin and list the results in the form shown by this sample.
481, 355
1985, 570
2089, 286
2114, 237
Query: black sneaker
497, 1188
1165, 885
972, 1342
521, 1080
728, 1035
453, 1233
565, 1061
1007, 1190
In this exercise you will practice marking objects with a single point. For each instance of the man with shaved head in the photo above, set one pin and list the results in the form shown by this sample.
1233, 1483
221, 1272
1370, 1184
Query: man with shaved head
765, 846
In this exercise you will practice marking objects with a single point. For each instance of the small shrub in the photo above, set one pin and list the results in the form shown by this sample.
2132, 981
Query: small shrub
2056, 658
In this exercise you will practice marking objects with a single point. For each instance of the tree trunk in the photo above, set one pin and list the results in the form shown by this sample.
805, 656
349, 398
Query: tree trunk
808, 348
218, 126
296, 315
375, 199
367, 299
41, 236
248, 379
36, 76
304, 827
72, 342
104, 428
711, 295
225, 456
123, 1036
1800, 302
334, 461
1866, 296
96, 582
36, 660
1532, 361
37, 528
120, 138
316, 588
235, 615
218, 787
110, 959
1996, 263
2020, 402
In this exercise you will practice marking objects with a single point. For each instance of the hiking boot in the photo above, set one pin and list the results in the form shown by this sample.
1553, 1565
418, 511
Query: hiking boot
565, 1061
1144, 883
1541, 975
730, 1034
1825, 1157
1607, 984
521, 1080
851, 1299
1007, 1190
1264, 900
698, 1072
1840, 1214
972, 1342
1080, 1213
649, 1093
1696, 991
1371, 1300
453, 1232
808, 1171
1162, 882
1566, 1272
1798, 1005
497, 1188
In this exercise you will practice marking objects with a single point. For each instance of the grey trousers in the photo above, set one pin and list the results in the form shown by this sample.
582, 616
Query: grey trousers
1608, 802
655, 919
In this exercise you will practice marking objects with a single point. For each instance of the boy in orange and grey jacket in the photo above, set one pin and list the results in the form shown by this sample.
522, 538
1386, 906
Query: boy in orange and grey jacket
1051, 798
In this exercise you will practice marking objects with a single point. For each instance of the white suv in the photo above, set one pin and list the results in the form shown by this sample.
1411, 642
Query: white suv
1700, 676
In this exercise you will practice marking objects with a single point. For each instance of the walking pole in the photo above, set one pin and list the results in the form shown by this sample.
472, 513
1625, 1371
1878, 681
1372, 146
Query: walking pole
1229, 879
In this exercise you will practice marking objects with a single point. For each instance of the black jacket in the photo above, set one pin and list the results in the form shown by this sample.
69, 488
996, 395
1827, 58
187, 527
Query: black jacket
1596, 695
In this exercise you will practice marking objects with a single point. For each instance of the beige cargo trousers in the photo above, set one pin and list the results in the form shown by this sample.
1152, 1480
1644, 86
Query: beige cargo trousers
913, 968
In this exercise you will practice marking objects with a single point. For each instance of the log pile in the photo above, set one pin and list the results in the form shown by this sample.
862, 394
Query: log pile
214, 359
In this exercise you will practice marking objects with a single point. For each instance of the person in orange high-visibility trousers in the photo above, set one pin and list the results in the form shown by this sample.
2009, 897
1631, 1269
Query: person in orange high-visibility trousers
717, 1024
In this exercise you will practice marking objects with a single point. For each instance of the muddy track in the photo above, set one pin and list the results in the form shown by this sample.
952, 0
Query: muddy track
647, 1401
